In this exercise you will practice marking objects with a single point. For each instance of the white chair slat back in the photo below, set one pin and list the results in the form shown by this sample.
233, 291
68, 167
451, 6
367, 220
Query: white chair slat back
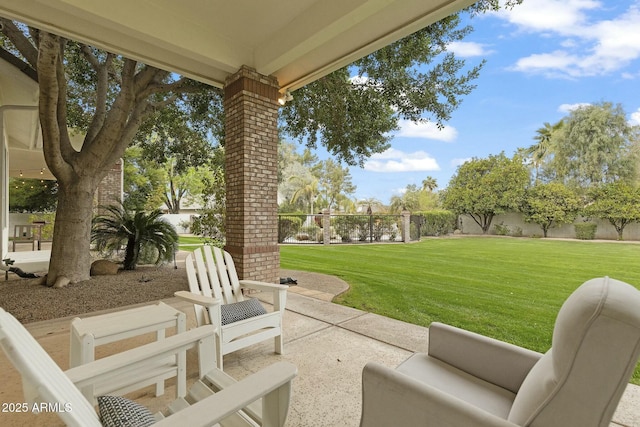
202, 317
212, 271
223, 275
203, 279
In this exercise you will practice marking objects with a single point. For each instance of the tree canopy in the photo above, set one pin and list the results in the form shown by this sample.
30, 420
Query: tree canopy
484, 188
617, 202
550, 204
351, 111
594, 144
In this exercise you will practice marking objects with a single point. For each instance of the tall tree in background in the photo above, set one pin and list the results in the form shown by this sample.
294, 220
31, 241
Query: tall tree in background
595, 145
335, 183
484, 188
539, 152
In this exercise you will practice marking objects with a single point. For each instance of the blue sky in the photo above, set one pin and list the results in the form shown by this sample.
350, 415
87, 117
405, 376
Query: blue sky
543, 57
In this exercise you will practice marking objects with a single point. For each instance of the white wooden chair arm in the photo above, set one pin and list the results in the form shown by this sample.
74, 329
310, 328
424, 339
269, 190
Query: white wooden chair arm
197, 299
262, 286
273, 383
134, 359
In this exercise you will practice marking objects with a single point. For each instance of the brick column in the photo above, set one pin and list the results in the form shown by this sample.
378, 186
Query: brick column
251, 162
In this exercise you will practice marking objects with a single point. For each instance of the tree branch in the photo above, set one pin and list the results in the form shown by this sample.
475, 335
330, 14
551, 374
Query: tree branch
102, 88
48, 63
21, 42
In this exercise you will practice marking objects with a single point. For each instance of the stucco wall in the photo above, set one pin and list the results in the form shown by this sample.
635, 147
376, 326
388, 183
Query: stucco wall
605, 230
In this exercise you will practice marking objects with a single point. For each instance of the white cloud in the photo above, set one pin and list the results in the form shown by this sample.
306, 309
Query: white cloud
426, 130
635, 118
567, 108
558, 16
468, 49
585, 48
394, 160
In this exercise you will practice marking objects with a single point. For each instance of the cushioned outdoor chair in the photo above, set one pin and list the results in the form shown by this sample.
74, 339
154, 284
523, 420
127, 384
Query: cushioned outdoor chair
216, 293
260, 399
467, 379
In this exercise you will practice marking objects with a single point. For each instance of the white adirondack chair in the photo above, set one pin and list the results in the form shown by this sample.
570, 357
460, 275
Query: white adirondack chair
216, 293
262, 399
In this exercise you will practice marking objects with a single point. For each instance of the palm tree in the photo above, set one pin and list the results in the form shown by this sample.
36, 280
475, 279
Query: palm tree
429, 184
137, 229
543, 147
307, 189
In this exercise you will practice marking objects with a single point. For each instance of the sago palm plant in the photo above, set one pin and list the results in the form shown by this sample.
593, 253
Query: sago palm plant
136, 230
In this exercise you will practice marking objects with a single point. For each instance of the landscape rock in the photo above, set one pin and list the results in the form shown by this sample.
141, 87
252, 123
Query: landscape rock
103, 267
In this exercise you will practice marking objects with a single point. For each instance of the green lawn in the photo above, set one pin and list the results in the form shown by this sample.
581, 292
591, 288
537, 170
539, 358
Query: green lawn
189, 242
507, 288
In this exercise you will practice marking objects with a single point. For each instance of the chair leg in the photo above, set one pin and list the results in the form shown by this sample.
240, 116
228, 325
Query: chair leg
218, 351
279, 344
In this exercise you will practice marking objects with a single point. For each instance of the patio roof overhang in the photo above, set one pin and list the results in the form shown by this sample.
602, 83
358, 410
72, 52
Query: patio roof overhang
297, 41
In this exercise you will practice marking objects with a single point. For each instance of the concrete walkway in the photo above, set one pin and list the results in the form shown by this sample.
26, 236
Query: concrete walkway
328, 343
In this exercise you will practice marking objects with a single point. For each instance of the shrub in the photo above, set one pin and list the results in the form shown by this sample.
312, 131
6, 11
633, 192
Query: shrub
310, 232
437, 222
48, 219
501, 229
585, 230
288, 226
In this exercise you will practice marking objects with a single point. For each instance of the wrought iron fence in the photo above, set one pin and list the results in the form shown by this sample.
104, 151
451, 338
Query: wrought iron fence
342, 228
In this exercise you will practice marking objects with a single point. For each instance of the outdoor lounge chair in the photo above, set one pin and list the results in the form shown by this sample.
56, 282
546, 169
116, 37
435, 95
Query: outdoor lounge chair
44, 382
216, 293
471, 380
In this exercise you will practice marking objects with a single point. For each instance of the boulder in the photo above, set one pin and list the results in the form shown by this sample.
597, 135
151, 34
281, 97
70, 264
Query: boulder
103, 267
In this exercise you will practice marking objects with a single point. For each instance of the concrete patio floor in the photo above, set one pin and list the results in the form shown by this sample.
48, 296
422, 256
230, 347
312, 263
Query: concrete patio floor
328, 343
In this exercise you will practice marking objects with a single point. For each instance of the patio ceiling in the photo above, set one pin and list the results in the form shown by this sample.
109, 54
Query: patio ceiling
297, 41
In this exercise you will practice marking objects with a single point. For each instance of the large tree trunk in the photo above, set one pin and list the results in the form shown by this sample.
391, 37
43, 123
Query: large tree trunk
70, 257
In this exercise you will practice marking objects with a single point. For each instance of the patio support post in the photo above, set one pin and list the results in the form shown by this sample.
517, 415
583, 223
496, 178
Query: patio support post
251, 162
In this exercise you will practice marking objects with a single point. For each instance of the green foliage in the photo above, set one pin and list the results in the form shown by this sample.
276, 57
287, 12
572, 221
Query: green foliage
437, 222
501, 229
412, 79
594, 145
550, 205
416, 199
48, 219
617, 202
305, 183
138, 230
288, 226
210, 223
483, 188
585, 230
32, 195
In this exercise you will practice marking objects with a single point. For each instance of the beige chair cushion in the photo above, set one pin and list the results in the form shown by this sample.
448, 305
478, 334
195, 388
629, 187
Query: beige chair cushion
596, 340
444, 377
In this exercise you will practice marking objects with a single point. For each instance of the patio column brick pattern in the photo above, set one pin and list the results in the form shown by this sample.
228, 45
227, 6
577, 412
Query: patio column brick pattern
251, 162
